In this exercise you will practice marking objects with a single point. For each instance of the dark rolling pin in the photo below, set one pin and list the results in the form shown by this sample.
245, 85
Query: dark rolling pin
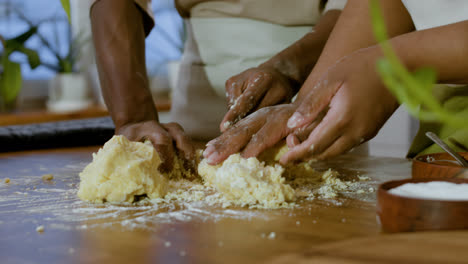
82, 132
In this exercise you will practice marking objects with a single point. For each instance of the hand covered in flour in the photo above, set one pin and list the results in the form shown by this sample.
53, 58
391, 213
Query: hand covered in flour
254, 89
356, 104
163, 137
252, 135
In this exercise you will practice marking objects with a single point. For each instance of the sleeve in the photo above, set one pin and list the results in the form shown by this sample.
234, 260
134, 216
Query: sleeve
334, 4
145, 7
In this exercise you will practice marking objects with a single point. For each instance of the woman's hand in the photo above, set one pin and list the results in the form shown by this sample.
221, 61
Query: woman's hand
254, 89
358, 106
163, 137
252, 135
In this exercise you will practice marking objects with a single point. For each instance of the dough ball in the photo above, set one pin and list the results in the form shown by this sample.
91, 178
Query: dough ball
121, 170
248, 181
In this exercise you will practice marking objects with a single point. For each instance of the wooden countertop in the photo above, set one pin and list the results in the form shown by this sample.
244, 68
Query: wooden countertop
319, 231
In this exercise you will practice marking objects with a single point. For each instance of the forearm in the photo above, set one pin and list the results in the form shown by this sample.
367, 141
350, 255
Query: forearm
444, 48
297, 61
119, 39
353, 31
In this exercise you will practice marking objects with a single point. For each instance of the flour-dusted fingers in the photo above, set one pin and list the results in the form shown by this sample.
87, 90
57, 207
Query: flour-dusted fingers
271, 133
255, 88
232, 141
183, 142
314, 103
234, 88
330, 129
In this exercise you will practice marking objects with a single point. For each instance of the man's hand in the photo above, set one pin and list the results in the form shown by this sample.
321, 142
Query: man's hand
358, 102
163, 137
252, 135
253, 89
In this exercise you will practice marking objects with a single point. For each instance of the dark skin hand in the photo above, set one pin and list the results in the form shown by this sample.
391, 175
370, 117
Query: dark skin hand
263, 128
273, 82
362, 105
278, 79
351, 33
119, 39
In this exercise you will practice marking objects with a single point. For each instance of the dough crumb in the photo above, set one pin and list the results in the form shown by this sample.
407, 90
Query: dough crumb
272, 235
7, 180
182, 253
363, 178
360, 191
298, 223
371, 189
40, 229
47, 177
167, 244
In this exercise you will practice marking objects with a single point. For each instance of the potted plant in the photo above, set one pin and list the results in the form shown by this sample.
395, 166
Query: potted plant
10, 71
68, 90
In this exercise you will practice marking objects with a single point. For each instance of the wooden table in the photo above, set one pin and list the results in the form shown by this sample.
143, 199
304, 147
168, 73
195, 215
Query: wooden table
319, 231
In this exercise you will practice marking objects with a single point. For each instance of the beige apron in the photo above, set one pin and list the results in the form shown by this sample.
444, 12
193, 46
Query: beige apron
219, 47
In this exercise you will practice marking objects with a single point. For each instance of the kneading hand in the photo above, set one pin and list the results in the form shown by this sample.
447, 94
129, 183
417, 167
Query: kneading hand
254, 89
358, 106
252, 135
162, 136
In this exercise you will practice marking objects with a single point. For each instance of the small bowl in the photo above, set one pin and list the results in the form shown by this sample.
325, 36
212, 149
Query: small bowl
404, 214
438, 166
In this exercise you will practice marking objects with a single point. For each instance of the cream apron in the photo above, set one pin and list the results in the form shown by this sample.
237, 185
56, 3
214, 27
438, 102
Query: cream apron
220, 47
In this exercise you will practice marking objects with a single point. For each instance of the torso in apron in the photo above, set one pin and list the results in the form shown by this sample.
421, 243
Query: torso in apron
225, 38
215, 50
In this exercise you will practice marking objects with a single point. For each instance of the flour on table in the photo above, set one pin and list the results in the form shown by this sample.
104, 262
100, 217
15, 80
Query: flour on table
122, 170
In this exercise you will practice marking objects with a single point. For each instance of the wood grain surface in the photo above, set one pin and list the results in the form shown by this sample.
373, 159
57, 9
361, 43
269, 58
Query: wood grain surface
344, 230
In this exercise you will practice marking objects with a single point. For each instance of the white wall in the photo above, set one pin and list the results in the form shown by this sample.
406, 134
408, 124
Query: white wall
395, 137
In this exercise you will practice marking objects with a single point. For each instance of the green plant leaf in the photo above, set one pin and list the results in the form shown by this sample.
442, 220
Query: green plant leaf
18, 41
33, 58
10, 81
413, 89
66, 8
426, 77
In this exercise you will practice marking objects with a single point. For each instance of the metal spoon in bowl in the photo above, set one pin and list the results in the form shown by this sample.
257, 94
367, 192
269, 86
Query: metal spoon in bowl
445, 147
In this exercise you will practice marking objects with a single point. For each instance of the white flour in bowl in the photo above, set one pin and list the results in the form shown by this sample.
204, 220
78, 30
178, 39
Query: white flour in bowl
435, 190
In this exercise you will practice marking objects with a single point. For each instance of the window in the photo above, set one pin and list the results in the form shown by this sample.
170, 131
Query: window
164, 43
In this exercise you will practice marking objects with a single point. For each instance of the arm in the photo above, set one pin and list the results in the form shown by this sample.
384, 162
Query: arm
118, 34
279, 78
362, 105
444, 48
353, 31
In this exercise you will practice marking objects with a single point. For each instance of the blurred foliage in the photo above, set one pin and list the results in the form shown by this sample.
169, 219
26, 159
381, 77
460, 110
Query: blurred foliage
10, 76
412, 89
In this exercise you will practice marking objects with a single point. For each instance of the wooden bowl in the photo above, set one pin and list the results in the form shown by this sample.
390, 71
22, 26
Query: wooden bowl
438, 166
403, 214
